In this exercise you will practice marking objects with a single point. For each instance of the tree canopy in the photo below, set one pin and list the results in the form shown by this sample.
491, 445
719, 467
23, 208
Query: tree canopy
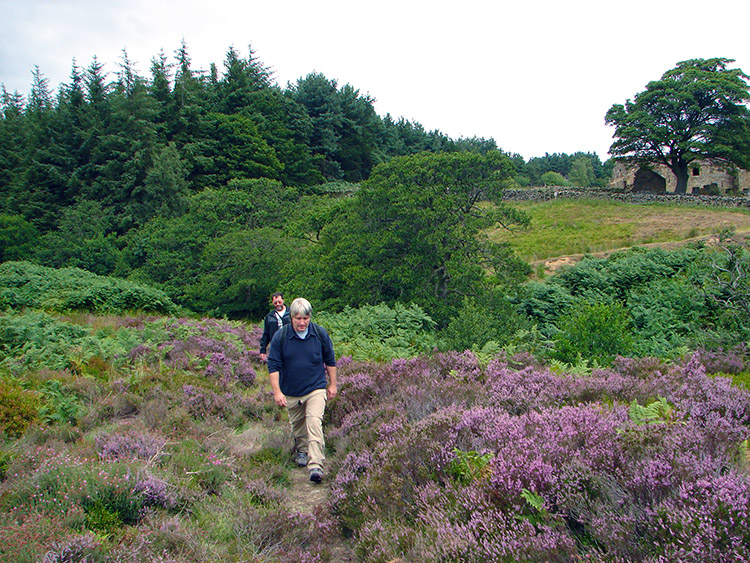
415, 232
219, 186
697, 110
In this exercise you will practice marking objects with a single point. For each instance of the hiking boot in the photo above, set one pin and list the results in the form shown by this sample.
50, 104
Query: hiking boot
301, 459
316, 475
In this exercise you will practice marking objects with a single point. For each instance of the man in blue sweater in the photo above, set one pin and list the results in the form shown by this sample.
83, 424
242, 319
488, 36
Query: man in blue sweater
298, 362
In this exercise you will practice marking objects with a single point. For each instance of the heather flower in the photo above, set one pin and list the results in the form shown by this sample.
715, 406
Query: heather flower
566, 472
78, 549
140, 352
133, 445
156, 491
704, 520
220, 350
734, 360
261, 494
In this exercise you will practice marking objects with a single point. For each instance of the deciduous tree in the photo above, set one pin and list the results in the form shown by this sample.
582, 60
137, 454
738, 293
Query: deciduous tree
697, 110
415, 232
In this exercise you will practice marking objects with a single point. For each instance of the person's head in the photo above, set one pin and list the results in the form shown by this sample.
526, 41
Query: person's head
300, 311
277, 300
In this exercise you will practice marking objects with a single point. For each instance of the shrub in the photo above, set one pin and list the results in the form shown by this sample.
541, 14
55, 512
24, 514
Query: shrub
220, 350
544, 466
380, 332
38, 340
60, 405
18, 409
60, 484
25, 538
551, 178
84, 547
132, 445
668, 295
69, 289
733, 361
594, 332
478, 322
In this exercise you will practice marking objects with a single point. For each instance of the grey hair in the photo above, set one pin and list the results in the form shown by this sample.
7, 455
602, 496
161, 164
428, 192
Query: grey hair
300, 306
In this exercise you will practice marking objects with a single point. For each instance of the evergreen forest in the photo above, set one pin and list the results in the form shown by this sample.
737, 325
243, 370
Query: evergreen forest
211, 185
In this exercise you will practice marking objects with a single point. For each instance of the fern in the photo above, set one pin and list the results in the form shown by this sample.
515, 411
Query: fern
580, 368
657, 412
469, 466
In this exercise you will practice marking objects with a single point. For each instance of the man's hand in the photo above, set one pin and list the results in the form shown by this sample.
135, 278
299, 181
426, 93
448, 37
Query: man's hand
263, 357
331, 389
279, 398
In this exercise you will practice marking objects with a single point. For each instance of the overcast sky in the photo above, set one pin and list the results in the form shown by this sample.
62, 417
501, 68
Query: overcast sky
535, 75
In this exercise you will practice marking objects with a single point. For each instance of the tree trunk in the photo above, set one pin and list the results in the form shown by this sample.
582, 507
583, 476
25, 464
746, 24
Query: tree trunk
680, 169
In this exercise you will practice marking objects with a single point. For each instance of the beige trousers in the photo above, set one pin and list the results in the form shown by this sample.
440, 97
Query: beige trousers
306, 419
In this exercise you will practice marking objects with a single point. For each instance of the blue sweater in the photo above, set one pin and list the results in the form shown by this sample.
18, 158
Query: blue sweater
301, 363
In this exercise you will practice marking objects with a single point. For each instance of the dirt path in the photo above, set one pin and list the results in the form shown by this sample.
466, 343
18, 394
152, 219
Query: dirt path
304, 496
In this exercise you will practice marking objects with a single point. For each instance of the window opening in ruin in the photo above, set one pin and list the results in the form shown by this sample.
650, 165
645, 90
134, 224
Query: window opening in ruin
696, 171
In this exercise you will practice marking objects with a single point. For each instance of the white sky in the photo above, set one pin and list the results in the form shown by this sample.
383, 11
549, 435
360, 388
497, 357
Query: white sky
536, 75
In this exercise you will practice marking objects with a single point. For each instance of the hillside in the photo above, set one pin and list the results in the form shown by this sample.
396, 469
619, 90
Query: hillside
168, 448
563, 231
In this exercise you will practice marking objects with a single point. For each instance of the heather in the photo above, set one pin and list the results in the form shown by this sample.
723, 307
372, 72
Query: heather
509, 463
145, 438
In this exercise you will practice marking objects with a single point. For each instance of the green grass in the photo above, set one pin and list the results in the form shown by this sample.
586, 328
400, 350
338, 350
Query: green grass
568, 227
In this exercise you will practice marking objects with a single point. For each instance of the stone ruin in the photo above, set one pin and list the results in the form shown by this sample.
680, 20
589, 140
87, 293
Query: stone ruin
705, 177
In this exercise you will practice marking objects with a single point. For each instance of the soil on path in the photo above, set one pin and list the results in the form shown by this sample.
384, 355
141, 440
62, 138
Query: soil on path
305, 497
302, 495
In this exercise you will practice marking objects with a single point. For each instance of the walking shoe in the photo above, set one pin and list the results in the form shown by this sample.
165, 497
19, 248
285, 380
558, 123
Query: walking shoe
316, 475
301, 459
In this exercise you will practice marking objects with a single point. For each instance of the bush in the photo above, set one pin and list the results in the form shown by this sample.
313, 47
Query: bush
36, 339
551, 178
18, 409
380, 332
60, 485
70, 289
663, 292
495, 319
596, 332
542, 466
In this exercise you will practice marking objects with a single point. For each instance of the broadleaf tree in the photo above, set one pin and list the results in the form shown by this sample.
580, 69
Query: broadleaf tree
415, 232
697, 110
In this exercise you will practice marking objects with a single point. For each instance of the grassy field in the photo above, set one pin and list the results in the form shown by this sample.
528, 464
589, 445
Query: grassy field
561, 228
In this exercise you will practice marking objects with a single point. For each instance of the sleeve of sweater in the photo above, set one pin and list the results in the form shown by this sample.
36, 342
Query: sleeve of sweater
275, 361
264, 339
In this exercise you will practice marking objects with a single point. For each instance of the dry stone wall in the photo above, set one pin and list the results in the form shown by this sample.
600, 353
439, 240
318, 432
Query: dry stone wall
551, 192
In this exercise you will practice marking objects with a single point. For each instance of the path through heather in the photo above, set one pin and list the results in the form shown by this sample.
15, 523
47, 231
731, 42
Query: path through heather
304, 496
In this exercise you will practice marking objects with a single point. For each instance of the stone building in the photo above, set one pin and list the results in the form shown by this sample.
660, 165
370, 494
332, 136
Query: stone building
705, 177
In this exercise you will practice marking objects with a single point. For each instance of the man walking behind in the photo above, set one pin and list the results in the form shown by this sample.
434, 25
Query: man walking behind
273, 322
299, 358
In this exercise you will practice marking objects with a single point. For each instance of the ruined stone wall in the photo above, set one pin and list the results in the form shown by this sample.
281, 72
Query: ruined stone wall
704, 177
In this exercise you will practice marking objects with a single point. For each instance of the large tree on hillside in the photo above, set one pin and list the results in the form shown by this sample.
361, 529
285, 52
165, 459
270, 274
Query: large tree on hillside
416, 232
696, 110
